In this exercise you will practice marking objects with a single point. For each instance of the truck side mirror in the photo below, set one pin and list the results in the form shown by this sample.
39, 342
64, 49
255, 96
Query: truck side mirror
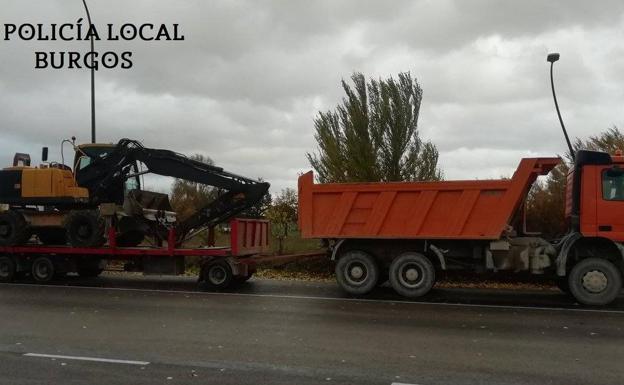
44, 154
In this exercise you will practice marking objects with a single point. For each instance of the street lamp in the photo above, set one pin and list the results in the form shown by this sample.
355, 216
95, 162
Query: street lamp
92, 76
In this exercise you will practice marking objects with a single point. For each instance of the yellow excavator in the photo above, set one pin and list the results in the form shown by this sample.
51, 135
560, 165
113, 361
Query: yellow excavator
75, 205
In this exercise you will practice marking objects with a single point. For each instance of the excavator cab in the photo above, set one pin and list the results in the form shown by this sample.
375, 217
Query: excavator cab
85, 154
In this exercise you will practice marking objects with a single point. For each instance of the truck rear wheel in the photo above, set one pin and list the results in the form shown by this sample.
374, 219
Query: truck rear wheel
595, 281
412, 274
85, 228
7, 269
14, 229
357, 272
42, 270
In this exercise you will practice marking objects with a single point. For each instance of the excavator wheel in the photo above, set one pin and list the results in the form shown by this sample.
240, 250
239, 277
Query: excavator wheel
14, 229
52, 236
85, 228
131, 231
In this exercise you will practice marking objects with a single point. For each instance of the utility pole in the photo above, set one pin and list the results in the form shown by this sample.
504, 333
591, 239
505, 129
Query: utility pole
92, 76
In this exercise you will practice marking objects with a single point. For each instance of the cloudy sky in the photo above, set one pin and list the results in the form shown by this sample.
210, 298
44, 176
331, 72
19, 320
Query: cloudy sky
245, 85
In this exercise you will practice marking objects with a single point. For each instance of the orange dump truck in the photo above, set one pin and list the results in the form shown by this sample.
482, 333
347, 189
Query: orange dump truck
406, 231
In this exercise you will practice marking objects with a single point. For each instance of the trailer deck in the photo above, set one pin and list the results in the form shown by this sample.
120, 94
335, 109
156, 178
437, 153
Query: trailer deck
248, 239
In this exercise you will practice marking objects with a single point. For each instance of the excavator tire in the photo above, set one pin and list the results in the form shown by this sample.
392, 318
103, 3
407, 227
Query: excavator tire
14, 229
85, 228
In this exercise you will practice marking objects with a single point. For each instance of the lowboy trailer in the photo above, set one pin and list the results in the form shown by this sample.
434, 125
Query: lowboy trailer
220, 267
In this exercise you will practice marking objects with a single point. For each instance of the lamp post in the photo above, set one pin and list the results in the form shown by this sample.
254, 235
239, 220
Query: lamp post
92, 76
552, 58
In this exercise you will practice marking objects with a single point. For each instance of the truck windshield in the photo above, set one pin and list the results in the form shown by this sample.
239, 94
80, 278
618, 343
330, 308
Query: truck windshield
612, 186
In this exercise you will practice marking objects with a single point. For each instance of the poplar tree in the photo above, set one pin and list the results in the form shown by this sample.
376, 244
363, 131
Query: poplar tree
373, 134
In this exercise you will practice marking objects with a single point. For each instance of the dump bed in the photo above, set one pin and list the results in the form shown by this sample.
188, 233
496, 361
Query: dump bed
479, 209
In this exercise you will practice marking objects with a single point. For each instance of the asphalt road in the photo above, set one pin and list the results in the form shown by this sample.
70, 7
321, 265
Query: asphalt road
159, 331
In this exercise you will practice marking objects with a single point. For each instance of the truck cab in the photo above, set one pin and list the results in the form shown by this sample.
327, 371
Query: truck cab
595, 195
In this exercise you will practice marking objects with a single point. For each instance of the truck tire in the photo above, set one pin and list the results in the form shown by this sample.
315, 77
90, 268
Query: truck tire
14, 229
7, 269
357, 272
595, 281
216, 275
412, 274
85, 228
42, 270
52, 236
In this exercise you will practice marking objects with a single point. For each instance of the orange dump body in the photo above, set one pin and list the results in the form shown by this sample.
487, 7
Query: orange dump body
479, 209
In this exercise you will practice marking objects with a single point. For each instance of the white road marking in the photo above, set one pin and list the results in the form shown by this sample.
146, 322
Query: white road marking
318, 298
401, 383
94, 359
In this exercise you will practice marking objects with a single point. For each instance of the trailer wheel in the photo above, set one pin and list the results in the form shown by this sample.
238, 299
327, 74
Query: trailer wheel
357, 272
595, 281
412, 274
85, 228
14, 229
7, 269
42, 270
217, 275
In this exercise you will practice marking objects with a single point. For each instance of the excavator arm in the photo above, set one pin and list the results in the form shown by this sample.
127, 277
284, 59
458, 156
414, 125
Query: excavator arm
105, 177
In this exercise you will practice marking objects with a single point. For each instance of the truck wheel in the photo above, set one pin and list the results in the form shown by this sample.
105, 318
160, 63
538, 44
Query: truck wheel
595, 281
7, 269
412, 274
14, 229
85, 228
357, 272
42, 270
53, 236
217, 275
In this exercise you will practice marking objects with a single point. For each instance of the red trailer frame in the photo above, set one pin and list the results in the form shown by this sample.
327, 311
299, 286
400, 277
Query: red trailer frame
248, 238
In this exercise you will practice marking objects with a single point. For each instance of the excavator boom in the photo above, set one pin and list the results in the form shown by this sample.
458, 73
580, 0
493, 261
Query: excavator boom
105, 176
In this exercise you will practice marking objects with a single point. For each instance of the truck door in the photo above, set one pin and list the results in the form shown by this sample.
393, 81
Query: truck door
610, 203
